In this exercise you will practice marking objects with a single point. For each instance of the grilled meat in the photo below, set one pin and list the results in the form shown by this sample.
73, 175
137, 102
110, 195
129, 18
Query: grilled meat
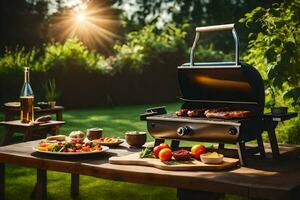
228, 114
196, 113
182, 112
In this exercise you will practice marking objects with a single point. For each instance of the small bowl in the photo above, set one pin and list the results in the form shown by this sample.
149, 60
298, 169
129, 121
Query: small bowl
136, 138
211, 160
43, 105
94, 133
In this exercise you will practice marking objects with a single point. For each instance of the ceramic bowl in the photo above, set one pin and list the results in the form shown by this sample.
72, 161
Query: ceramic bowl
136, 138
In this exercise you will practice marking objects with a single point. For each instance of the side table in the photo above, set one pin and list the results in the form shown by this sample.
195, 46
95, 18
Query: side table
271, 122
11, 113
30, 131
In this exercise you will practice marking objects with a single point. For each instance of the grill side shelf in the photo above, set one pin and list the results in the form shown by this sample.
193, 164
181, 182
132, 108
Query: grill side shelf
152, 112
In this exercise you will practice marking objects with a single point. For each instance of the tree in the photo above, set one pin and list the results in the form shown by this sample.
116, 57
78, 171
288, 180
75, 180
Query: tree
274, 47
196, 13
22, 23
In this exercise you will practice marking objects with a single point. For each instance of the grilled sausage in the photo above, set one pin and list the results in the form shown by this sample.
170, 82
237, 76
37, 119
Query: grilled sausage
196, 113
182, 112
216, 110
233, 114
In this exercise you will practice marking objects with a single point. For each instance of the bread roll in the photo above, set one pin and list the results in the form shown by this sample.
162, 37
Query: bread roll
77, 135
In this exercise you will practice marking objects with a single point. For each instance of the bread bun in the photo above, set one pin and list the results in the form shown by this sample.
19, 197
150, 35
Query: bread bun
77, 135
57, 137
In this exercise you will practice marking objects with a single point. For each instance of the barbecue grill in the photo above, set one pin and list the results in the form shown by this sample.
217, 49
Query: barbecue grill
235, 85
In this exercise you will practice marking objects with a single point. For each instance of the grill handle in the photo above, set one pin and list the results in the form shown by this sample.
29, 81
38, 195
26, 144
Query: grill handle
214, 29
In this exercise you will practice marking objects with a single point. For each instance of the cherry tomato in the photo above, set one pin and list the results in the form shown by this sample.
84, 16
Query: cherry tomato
163, 145
165, 154
78, 141
197, 150
158, 148
71, 150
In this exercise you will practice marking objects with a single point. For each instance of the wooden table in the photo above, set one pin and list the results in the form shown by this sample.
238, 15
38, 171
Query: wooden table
29, 130
11, 113
261, 179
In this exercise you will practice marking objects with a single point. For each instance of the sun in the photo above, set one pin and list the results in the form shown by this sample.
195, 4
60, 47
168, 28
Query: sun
93, 25
80, 17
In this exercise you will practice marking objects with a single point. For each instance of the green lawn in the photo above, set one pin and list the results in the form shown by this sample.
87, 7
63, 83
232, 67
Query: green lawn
115, 121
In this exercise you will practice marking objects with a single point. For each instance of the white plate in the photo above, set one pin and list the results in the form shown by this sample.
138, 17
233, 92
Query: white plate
104, 148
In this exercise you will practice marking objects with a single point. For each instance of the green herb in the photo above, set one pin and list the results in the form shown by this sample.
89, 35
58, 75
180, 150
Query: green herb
147, 153
57, 148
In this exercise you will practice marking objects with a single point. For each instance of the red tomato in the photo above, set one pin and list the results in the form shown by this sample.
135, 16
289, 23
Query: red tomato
71, 150
158, 148
163, 145
165, 154
77, 141
197, 150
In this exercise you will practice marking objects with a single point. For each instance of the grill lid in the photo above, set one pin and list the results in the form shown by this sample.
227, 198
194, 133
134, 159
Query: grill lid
220, 82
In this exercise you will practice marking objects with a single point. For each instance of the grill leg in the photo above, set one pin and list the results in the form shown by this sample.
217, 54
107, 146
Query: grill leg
221, 146
175, 144
261, 147
158, 142
274, 144
242, 152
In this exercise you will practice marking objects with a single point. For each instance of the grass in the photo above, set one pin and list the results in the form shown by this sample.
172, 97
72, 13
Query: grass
115, 121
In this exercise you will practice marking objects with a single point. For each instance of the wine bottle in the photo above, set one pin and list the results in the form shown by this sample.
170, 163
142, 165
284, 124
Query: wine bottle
27, 100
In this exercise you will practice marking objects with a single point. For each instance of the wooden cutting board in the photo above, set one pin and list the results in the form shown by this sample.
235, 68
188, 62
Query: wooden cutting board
192, 165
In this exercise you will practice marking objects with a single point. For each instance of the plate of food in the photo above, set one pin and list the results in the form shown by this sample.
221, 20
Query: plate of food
69, 148
109, 141
75, 144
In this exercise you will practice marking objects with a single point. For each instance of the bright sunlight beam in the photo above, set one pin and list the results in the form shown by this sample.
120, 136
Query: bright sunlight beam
92, 25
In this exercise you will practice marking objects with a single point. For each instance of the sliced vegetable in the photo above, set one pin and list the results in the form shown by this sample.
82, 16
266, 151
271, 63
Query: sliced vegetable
147, 153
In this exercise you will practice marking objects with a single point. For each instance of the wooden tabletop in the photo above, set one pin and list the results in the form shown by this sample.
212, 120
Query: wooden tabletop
39, 109
262, 179
18, 123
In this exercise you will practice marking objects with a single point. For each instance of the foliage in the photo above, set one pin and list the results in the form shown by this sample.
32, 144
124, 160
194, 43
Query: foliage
274, 49
22, 23
143, 46
70, 53
195, 13
51, 90
209, 54
19, 58
275, 46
